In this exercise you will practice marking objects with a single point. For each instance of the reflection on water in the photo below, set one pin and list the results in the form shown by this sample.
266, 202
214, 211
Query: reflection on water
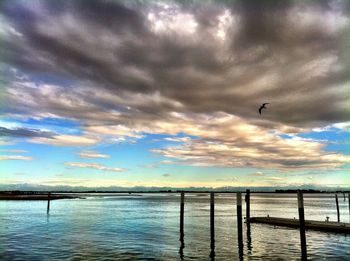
249, 239
212, 249
182, 246
146, 227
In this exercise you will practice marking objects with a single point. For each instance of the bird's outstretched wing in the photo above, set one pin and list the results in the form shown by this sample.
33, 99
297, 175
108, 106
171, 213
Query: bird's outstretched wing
262, 107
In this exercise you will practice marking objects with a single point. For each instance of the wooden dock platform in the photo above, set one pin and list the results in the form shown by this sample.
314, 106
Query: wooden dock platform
329, 226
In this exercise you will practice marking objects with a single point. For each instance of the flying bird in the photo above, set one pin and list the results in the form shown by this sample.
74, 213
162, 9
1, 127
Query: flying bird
263, 106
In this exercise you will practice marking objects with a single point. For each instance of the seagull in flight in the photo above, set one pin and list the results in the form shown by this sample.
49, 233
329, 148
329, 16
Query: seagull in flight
263, 106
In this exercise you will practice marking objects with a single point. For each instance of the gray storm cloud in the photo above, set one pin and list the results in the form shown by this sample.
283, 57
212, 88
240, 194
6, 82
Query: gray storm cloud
198, 57
138, 63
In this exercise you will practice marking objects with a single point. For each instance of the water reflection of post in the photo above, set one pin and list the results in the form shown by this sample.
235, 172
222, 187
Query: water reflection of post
249, 239
182, 234
212, 227
48, 203
239, 225
181, 250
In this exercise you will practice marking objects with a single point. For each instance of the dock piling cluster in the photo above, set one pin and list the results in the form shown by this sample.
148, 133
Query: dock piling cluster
268, 220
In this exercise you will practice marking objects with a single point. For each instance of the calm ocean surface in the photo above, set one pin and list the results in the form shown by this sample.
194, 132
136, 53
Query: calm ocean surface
146, 227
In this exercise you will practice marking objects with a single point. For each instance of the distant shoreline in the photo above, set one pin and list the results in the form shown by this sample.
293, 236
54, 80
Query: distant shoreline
62, 194
42, 196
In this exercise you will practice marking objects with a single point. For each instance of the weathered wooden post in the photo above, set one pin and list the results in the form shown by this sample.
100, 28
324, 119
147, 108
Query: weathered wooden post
249, 238
182, 234
182, 208
302, 225
349, 202
212, 226
247, 203
239, 220
48, 202
337, 203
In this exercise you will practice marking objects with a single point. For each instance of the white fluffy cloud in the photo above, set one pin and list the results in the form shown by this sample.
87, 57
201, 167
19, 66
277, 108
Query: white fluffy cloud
92, 155
93, 166
66, 140
15, 157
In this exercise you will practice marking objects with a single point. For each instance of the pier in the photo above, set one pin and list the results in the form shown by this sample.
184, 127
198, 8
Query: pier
329, 226
301, 223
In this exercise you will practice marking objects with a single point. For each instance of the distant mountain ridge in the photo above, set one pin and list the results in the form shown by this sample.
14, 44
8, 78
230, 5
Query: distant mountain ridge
34, 187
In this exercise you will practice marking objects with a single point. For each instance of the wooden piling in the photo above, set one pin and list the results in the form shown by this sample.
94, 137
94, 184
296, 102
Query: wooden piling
337, 203
302, 225
239, 220
212, 225
48, 202
182, 208
247, 202
349, 202
182, 234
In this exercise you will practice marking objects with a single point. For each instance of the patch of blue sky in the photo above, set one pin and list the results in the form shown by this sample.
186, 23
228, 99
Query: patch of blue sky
335, 139
47, 160
127, 155
139, 154
60, 126
332, 134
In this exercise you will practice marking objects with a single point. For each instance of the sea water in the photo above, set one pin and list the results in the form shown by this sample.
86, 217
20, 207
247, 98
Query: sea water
146, 227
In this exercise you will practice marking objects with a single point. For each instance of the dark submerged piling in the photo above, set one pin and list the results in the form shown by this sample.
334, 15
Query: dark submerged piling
182, 208
239, 223
182, 234
48, 202
302, 225
212, 226
249, 238
337, 203
349, 202
247, 202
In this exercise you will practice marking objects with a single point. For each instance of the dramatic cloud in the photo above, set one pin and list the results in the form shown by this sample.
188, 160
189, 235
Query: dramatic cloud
92, 155
93, 166
125, 69
229, 141
177, 56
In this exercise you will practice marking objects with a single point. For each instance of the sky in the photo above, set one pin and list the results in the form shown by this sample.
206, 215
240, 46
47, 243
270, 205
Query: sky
166, 93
